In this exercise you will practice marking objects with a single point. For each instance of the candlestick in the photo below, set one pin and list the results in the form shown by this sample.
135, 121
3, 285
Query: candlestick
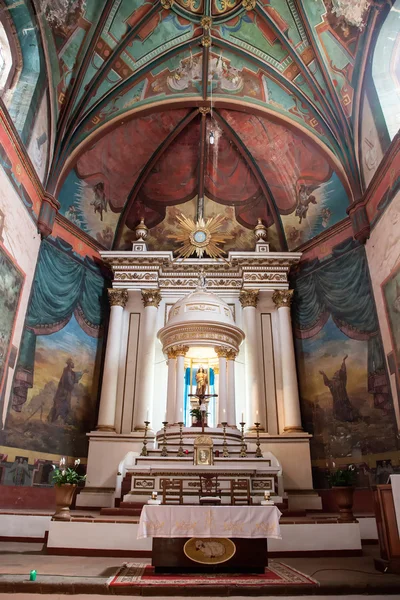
225, 452
164, 451
258, 450
180, 449
243, 453
144, 451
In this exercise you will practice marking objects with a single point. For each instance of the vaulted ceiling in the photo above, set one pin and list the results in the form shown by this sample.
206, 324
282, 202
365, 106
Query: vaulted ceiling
140, 88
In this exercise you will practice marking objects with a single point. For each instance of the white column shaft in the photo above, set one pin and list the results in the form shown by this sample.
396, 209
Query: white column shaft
222, 391
289, 377
145, 380
180, 380
108, 398
171, 390
254, 410
231, 408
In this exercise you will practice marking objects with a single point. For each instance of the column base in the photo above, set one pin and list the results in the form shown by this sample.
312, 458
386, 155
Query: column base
294, 429
105, 428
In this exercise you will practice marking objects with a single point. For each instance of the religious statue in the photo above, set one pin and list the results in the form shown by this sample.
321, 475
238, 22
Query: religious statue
342, 408
201, 381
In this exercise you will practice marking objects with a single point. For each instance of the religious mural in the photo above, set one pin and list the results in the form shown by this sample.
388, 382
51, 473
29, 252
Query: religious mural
391, 294
11, 282
54, 394
344, 387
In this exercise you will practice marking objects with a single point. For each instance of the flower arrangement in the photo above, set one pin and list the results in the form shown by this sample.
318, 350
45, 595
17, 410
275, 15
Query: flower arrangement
343, 477
67, 475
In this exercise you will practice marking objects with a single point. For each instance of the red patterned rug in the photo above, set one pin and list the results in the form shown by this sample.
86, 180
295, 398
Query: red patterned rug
277, 573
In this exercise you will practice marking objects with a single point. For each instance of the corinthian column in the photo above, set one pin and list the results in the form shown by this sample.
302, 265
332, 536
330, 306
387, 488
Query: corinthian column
291, 403
254, 400
171, 385
108, 397
145, 386
231, 403
223, 415
180, 380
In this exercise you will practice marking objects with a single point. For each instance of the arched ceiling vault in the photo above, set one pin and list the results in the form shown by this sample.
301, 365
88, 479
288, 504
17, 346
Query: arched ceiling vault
280, 77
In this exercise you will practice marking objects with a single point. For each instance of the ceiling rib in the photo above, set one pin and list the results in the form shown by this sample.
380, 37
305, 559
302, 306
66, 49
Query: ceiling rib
146, 171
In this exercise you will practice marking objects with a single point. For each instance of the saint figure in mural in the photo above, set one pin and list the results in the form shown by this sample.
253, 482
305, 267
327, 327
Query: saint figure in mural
62, 399
20, 471
100, 201
342, 408
305, 198
202, 381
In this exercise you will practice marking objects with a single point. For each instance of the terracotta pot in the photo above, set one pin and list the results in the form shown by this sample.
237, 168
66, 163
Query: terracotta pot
343, 496
64, 496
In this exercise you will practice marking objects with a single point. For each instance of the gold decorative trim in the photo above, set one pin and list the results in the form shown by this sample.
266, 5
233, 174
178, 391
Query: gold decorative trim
221, 351
167, 4
171, 353
206, 41
204, 110
231, 355
282, 298
249, 4
248, 298
180, 350
151, 298
206, 22
117, 297
209, 332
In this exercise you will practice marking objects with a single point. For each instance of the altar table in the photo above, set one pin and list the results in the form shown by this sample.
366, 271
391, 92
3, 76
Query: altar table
209, 538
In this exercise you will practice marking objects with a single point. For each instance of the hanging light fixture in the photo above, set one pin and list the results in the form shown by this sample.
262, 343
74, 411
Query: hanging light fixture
212, 138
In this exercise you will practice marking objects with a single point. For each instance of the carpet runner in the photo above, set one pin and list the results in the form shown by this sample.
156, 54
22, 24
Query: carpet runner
277, 573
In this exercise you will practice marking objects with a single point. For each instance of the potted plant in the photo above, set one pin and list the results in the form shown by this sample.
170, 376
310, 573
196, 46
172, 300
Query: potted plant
66, 479
342, 483
197, 414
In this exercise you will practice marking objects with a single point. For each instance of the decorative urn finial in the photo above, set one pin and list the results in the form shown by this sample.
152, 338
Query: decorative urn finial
142, 231
261, 232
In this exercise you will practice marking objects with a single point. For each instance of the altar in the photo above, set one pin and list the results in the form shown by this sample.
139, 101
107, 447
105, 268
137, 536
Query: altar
209, 538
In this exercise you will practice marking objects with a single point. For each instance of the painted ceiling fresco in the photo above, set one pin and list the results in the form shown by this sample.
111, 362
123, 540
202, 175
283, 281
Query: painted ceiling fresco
139, 88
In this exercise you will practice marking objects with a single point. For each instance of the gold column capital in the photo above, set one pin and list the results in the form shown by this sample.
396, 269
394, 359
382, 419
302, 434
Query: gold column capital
151, 298
282, 298
117, 297
221, 351
248, 298
231, 355
171, 353
180, 350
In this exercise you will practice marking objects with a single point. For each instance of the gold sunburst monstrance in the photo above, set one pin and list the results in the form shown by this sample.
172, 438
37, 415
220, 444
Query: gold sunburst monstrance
200, 237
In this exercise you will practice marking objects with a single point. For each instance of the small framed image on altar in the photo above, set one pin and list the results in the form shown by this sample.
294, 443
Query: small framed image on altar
203, 456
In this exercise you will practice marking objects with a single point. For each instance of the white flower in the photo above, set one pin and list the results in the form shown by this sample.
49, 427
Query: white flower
63, 472
62, 461
351, 467
77, 462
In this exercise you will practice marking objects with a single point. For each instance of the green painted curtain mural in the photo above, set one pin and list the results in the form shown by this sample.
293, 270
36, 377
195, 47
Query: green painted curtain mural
344, 388
55, 387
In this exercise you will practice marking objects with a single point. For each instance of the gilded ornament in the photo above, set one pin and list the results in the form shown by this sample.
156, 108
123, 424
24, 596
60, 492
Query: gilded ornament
206, 41
222, 352
231, 355
167, 4
204, 110
117, 297
200, 237
171, 353
181, 350
249, 4
248, 298
206, 22
151, 298
282, 298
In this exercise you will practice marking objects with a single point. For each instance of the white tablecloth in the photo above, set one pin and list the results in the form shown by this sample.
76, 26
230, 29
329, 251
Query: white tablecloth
174, 521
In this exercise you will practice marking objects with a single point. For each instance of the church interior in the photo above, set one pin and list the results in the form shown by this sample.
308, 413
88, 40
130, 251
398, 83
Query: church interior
200, 297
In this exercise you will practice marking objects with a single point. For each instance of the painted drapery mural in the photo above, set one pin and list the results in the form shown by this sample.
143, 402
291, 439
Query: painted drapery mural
391, 294
344, 387
54, 397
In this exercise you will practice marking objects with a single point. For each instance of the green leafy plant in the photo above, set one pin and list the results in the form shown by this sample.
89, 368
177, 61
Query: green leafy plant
67, 475
196, 412
343, 477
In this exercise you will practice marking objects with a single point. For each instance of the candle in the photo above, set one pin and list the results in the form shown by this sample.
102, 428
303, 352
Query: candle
242, 417
165, 418
148, 414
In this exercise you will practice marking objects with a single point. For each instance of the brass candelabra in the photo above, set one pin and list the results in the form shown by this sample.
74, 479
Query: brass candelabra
144, 451
258, 450
164, 451
243, 453
225, 452
180, 449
